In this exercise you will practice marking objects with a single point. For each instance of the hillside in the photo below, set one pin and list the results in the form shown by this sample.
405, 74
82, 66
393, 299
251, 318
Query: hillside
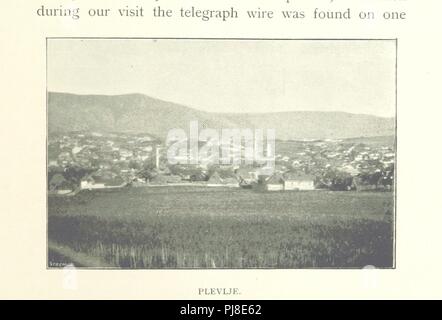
136, 113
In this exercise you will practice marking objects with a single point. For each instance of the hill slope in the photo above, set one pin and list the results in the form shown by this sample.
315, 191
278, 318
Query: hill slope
138, 113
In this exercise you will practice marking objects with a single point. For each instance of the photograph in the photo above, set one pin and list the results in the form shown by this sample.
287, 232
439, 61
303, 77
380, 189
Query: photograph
221, 153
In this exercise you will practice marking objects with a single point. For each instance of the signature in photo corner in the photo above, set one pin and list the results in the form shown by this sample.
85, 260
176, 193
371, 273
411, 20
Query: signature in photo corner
56, 264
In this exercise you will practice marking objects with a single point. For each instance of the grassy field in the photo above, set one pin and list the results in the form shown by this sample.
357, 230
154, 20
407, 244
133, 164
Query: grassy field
197, 227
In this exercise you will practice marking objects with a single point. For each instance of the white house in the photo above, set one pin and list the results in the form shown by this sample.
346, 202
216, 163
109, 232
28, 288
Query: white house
299, 182
274, 183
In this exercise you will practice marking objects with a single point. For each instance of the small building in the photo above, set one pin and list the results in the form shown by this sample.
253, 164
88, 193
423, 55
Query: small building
102, 182
215, 179
91, 183
52, 163
64, 191
293, 181
198, 177
158, 179
223, 178
162, 179
274, 182
246, 176
173, 178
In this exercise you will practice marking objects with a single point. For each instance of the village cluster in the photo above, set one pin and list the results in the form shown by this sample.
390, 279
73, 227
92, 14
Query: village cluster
92, 160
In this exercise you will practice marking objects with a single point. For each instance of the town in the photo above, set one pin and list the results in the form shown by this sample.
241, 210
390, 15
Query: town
96, 160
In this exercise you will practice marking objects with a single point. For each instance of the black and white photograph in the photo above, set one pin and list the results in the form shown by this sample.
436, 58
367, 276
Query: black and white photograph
206, 153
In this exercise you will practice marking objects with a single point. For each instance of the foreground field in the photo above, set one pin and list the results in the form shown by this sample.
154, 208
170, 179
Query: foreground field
196, 227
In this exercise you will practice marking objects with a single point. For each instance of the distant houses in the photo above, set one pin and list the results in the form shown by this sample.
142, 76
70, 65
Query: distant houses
140, 160
242, 177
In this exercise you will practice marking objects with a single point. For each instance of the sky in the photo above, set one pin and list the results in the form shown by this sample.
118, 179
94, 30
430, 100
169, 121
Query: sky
232, 75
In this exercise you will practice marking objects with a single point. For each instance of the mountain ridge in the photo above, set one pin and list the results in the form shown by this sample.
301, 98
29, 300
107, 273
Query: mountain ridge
139, 113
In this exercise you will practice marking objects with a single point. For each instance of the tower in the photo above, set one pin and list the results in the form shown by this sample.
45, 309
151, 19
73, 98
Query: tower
157, 157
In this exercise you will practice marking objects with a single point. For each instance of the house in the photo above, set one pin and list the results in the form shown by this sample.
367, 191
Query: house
293, 181
91, 183
274, 182
215, 179
246, 177
161, 179
172, 178
158, 179
350, 169
189, 173
104, 180
52, 163
229, 177
198, 176
223, 178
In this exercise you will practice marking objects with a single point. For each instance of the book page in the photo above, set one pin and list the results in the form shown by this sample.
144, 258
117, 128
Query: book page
219, 149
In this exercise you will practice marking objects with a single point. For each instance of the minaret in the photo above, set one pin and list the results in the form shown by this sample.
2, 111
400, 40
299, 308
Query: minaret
157, 157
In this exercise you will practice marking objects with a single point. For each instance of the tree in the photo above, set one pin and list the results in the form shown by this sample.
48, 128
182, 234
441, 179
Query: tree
148, 170
76, 173
134, 165
336, 180
149, 164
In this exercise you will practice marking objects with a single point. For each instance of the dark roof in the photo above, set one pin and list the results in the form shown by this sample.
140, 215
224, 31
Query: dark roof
224, 174
215, 178
275, 179
298, 176
159, 178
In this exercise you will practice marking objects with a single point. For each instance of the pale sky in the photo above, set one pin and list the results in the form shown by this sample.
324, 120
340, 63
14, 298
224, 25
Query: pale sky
232, 75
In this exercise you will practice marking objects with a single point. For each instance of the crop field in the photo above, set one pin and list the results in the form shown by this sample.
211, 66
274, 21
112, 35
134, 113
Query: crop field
200, 227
